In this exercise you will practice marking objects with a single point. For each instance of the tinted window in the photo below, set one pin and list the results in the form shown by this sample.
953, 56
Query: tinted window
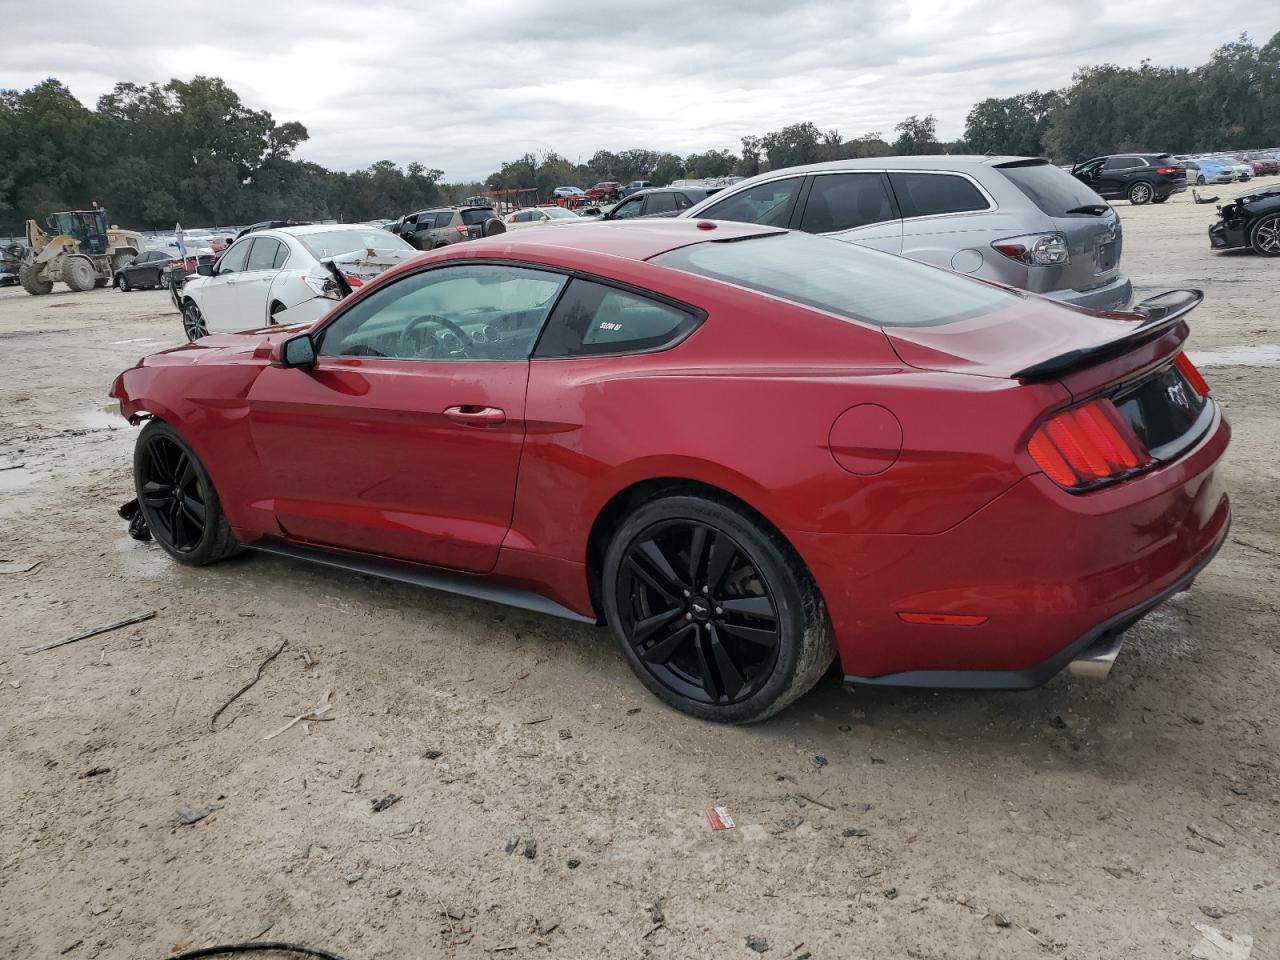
661, 203
282, 257
932, 194
1054, 191
477, 216
766, 203
627, 209
442, 219
233, 260
474, 312
841, 201
594, 319
1122, 163
682, 201
841, 278
263, 254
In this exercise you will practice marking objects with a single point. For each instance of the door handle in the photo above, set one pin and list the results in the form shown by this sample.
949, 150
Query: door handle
476, 416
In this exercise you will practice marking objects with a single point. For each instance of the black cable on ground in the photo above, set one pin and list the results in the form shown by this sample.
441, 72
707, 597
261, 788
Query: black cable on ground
254, 947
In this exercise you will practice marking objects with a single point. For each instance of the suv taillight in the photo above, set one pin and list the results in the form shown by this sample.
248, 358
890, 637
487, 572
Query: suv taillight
1086, 446
461, 228
1035, 249
1171, 171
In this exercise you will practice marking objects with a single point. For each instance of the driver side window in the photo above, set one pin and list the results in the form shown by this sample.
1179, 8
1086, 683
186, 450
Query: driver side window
627, 209
233, 260
476, 312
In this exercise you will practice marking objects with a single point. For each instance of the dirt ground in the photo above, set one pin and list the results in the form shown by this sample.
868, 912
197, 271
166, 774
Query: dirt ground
1076, 821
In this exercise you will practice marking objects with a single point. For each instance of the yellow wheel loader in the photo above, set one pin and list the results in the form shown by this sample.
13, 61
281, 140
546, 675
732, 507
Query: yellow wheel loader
79, 250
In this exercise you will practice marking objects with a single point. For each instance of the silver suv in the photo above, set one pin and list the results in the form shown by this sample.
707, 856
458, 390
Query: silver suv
1018, 221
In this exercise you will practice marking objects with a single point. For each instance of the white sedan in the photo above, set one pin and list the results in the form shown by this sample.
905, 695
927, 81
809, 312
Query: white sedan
265, 274
542, 216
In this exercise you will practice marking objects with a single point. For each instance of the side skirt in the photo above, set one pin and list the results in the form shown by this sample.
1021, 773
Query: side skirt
477, 587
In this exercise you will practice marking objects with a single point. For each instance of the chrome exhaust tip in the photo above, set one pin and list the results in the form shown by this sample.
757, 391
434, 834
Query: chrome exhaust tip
1096, 662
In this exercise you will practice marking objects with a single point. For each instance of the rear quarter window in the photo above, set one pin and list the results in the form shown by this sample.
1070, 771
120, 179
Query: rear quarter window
934, 194
594, 319
1056, 192
476, 217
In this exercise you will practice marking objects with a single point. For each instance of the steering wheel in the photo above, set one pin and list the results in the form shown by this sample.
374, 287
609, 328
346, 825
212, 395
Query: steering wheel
463, 338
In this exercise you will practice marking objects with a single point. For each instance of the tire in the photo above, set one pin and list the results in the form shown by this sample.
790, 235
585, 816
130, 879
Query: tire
493, 226
1160, 199
193, 324
177, 498
29, 277
1200, 180
78, 274
1265, 236
124, 283
736, 651
1140, 193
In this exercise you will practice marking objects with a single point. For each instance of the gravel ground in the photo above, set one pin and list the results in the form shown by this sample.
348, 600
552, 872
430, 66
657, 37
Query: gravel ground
1075, 821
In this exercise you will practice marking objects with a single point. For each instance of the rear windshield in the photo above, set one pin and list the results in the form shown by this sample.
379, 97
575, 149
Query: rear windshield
334, 243
477, 216
1056, 192
841, 278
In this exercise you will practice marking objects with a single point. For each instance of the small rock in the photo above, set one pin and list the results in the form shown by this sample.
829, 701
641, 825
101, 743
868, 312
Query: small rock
565, 734
758, 944
1000, 920
98, 909
353, 877
433, 754
819, 761
530, 849
854, 832
573, 863
456, 913
633, 711
1212, 912
1115, 872
387, 801
511, 844
94, 772
393, 893
188, 815
891, 893
877, 759
655, 912
1058, 723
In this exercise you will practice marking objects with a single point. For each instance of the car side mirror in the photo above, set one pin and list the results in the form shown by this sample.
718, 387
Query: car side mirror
296, 352
204, 269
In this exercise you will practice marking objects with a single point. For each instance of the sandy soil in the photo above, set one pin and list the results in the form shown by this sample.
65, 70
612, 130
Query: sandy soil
1074, 821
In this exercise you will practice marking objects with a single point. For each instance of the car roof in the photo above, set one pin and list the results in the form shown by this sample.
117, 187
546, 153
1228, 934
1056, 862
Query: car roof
945, 162
631, 240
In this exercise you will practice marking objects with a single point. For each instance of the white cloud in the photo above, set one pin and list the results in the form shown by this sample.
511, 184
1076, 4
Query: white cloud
464, 86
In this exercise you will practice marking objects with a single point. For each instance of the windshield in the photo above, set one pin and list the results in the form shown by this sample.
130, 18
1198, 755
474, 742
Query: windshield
477, 215
1054, 191
841, 278
560, 213
334, 243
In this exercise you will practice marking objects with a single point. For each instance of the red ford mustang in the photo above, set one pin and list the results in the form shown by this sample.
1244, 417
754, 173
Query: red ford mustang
746, 450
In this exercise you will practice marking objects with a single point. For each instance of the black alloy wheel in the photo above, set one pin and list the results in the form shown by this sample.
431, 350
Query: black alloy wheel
1140, 193
171, 494
1265, 236
193, 324
124, 283
715, 613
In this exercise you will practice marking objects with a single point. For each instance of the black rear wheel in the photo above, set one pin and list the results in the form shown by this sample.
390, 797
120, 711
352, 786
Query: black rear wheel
1265, 236
193, 324
177, 498
1140, 193
714, 612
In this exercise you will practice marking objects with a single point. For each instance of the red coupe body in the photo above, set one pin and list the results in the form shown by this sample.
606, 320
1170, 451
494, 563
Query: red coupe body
894, 460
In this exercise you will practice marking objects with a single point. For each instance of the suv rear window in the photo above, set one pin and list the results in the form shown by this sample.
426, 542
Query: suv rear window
477, 215
1056, 192
933, 194
841, 278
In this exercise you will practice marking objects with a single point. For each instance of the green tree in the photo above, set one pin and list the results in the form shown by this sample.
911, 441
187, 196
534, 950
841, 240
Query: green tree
917, 136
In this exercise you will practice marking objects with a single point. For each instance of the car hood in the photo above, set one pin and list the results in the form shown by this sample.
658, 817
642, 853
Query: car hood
247, 346
1273, 191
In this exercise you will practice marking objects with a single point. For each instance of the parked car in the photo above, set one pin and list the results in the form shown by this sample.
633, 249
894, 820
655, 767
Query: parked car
604, 190
729, 452
266, 273
1014, 220
1261, 167
1242, 171
635, 185
1250, 220
13, 254
146, 270
441, 226
658, 202
271, 225
1214, 171
541, 216
1137, 177
568, 192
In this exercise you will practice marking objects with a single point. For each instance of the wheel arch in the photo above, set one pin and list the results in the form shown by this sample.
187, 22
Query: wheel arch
615, 510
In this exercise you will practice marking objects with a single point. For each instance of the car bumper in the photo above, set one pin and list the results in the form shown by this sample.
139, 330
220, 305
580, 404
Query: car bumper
1053, 573
1111, 296
1169, 189
1225, 236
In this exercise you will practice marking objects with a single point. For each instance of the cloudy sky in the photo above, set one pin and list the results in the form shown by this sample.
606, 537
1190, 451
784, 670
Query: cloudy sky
464, 85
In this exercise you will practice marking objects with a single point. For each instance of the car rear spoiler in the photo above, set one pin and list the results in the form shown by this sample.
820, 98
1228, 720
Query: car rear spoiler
1162, 313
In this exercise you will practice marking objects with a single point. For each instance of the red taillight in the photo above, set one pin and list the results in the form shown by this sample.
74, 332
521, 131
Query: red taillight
1087, 445
354, 281
1190, 374
461, 228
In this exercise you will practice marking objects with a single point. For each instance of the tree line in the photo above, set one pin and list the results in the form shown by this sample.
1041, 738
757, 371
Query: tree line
194, 152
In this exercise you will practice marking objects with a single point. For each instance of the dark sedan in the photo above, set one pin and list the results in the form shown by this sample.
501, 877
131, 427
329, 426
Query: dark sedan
659, 202
145, 271
1250, 220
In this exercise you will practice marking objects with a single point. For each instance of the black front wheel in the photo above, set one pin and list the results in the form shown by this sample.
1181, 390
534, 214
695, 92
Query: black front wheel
177, 498
714, 612
1265, 236
193, 324
1140, 193
124, 283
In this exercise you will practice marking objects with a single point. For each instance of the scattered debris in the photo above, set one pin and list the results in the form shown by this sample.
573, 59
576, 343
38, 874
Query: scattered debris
633, 711
511, 844
19, 566
1058, 723
1254, 546
245, 689
573, 863
854, 832
758, 944
530, 849
819, 761
188, 815
1195, 195
433, 754
455, 913
537, 720
132, 513
719, 818
816, 803
1000, 920
354, 877
127, 621
656, 915
1196, 831
1217, 945
12, 466
66, 950
323, 707
866, 873
94, 772
309, 660
565, 734
1212, 912
393, 893
891, 893
387, 801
